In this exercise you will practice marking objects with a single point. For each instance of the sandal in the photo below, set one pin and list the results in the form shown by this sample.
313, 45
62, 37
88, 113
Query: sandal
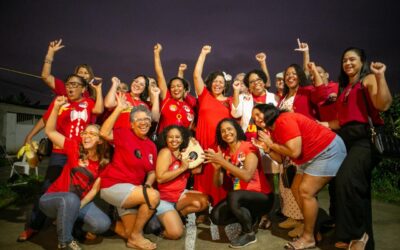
359, 244
342, 245
144, 245
265, 223
25, 235
299, 244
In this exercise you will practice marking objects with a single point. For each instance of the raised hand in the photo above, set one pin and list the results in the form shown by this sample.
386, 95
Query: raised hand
378, 68
259, 144
236, 85
155, 91
303, 47
96, 83
157, 48
55, 45
261, 57
59, 101
206, 49
122, 104
265, 137
115, 81
311, 67
182, 67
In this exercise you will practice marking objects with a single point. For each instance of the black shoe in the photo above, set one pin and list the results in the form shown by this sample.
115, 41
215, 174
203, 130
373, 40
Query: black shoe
243, 240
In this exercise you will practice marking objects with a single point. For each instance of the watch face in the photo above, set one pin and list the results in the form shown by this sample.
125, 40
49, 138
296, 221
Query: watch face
138, 154
193, 155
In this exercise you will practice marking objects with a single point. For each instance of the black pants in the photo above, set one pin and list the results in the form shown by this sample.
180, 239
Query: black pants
242, 206
353, 191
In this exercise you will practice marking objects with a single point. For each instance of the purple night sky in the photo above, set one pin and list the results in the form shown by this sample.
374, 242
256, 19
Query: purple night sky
117, 37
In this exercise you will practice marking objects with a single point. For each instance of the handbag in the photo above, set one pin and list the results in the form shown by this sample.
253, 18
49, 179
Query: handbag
386, 143
45, 147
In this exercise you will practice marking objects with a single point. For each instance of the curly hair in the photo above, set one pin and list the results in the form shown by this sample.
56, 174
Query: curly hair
162, 137
259, 73
210, 79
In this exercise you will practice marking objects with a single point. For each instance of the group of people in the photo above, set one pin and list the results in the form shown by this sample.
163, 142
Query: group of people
130, 148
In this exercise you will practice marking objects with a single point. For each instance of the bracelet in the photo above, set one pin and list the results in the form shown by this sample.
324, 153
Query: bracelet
48, 60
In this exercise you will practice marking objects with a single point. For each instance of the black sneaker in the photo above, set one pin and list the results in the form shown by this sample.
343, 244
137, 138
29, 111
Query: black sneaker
73, 245
243, 240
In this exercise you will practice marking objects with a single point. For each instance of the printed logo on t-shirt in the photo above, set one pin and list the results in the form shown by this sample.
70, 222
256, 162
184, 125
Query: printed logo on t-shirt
173, 107
186, 108
189, 117
151, 158
175, 166
83, 105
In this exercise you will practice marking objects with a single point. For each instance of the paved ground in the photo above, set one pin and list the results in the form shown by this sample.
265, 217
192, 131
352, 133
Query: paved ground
12, 218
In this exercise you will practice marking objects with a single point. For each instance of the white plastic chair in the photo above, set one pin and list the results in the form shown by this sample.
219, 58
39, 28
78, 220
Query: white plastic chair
23, 165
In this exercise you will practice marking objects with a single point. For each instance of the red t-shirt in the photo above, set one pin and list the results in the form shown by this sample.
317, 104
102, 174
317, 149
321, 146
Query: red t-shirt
315, 137
73, 117
175, 112
258, 182
353, 109
123, 120
133, 159
172, 190
76, 177
192, 101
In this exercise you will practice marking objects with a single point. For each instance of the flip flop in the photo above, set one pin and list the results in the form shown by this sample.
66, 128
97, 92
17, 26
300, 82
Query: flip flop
146, 245
362, 242
299, 245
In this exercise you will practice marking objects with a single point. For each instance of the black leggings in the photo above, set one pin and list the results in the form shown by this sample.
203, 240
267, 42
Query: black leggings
245, 207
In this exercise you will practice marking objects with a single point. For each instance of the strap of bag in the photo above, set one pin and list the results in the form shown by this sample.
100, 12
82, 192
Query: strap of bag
146, 197
371, 124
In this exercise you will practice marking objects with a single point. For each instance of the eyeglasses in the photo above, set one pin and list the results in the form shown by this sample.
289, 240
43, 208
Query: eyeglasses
73, 84
89, 133
145, 119
256, 81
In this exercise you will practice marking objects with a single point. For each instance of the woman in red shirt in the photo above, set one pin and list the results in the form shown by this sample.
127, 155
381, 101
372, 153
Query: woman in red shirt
174, 108
172, 176
213, 107
312, 147
238, 167
70, 197
358, 80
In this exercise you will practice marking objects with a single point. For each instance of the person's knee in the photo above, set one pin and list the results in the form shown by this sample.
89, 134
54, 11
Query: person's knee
102, 225
174, 233
305, 192
154, 197
72, 201
203, 202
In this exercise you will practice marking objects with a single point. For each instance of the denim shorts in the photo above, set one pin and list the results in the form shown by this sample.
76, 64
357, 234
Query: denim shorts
116, 195
166, 206
327, 162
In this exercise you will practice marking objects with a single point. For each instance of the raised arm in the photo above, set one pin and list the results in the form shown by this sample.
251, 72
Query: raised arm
56, 137
314, 72
99, 104
262, 59
155, 103
377, 87
303, 47
107, 127
110, 100
162, 84
236, 91
198, 69
181, 70
54, 46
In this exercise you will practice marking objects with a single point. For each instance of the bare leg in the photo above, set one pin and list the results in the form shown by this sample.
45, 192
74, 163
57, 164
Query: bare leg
309, 188
295, 189
192, 202
172, 224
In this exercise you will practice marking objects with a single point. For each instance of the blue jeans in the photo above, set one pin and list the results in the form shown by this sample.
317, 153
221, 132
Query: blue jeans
65, 207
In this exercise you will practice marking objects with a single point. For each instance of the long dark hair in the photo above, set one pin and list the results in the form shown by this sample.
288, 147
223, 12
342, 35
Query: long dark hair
145, 94
343, 77
239, 132
162, 138
301, 75
271, 113
103, 150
